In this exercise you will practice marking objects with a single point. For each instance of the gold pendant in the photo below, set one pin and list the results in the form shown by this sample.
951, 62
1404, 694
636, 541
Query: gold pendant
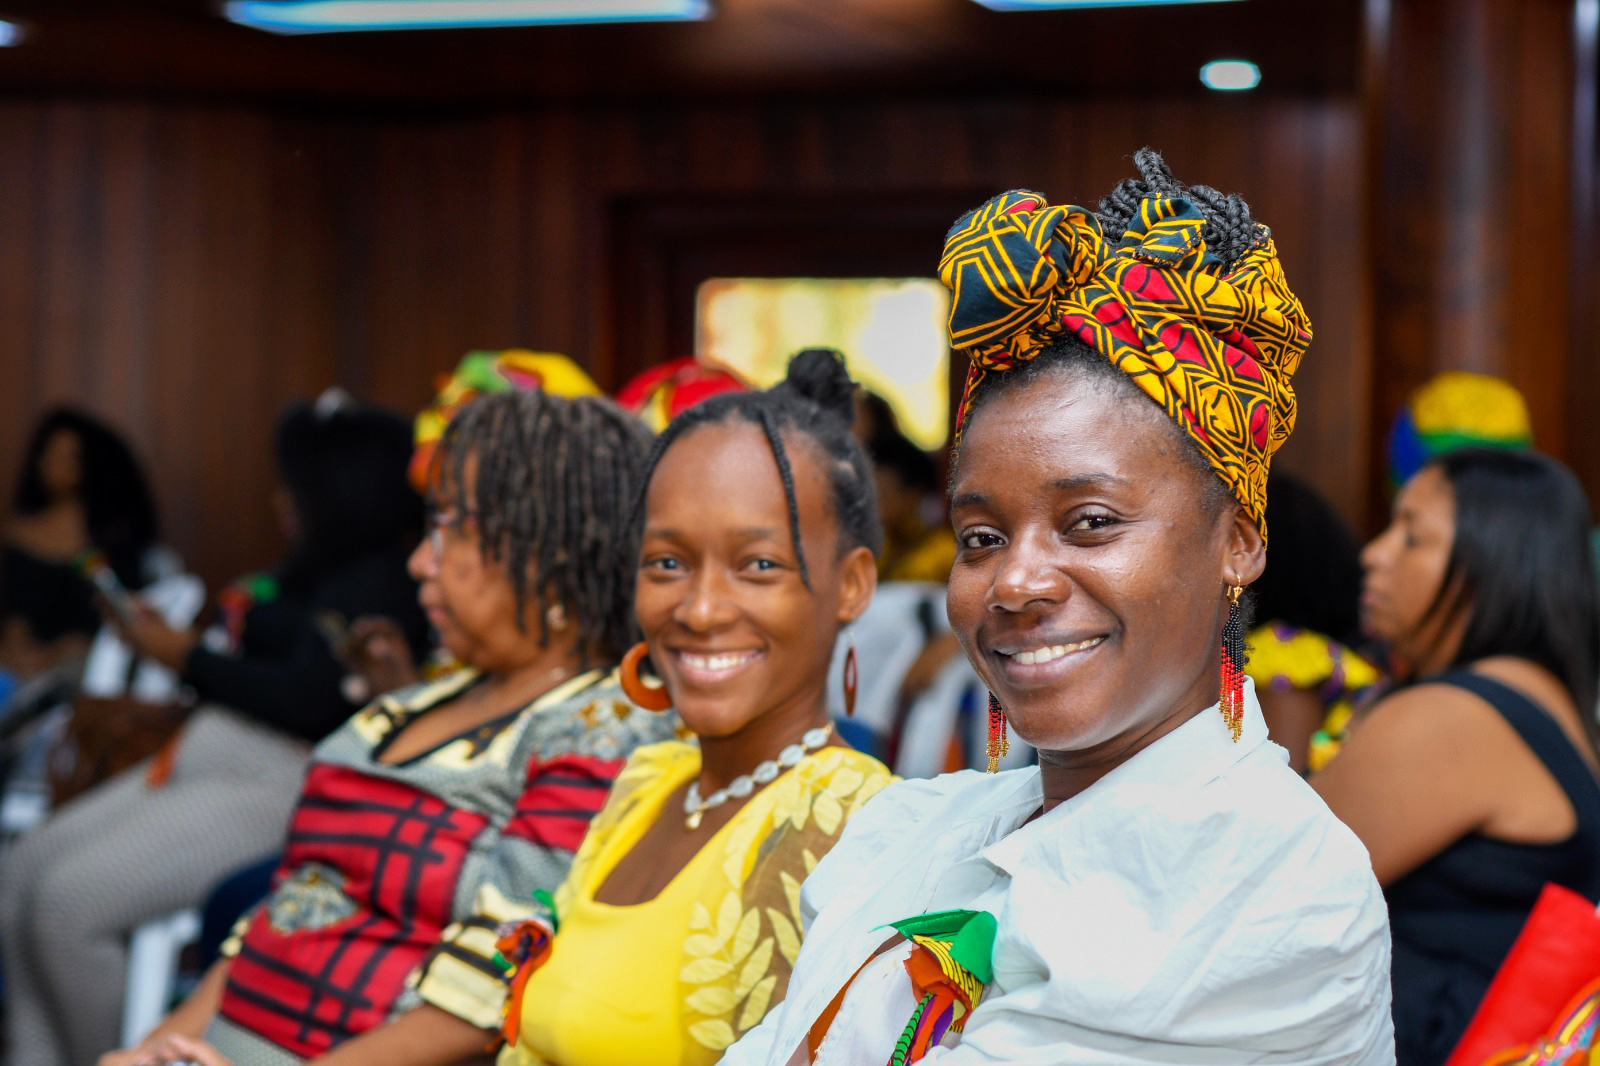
693, 821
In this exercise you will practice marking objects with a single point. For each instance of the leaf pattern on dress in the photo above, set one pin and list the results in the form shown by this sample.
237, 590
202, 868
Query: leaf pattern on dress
741, 946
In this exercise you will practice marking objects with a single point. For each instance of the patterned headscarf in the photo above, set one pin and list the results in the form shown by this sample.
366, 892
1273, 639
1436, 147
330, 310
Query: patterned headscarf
481, 373
1456, 409
1215, 350
661, 393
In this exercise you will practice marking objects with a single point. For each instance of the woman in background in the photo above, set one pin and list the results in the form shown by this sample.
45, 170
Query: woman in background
149, 841
1475, 784
679, 921
434, 814
81, 490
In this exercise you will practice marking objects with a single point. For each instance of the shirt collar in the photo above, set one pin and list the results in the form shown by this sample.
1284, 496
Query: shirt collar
1195, 753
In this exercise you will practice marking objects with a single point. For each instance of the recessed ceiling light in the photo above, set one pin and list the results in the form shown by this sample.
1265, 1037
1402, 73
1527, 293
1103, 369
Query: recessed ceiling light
1230, 75
10, 34
335, 16
1059, 5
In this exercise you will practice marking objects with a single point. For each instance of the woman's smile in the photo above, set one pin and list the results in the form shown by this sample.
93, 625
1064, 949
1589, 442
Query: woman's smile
1043, 663
711, 668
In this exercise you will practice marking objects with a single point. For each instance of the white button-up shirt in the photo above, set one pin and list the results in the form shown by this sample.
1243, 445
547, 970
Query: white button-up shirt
1197, 905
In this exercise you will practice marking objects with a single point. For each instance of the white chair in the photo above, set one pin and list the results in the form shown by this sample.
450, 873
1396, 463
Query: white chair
153, 952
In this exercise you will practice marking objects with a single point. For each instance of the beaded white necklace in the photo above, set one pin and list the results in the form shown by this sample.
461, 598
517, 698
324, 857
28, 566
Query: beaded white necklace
764, 774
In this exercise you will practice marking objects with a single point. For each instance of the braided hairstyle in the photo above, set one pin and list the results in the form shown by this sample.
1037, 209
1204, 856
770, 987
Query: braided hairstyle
815, 402
1229, 231
555, 481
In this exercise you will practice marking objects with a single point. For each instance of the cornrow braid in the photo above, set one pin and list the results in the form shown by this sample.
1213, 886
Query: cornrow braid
1229, 231
815, 401
554, 487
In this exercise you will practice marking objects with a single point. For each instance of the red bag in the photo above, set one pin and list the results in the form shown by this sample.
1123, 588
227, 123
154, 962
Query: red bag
1544, 1002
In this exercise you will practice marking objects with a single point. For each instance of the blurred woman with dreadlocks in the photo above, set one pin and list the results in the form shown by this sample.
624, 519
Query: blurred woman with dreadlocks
1161, 888
434, 815
676, 929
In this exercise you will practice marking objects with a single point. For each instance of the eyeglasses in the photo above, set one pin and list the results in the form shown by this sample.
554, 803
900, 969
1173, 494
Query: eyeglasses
439, 521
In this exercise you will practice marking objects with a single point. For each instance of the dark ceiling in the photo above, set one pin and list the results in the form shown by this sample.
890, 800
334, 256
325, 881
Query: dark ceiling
750, 48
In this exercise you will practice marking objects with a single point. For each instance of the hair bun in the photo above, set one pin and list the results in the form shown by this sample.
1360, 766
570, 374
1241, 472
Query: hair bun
819, 375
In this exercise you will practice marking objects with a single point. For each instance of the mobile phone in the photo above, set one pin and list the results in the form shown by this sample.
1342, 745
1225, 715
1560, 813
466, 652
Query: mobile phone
95, 568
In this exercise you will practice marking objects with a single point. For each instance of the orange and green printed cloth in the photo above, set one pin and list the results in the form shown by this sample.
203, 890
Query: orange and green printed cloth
1216, 350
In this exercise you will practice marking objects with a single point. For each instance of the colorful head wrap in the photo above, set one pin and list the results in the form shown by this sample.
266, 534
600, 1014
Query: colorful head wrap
480, 373
658, 395
1452, 410
1215, 350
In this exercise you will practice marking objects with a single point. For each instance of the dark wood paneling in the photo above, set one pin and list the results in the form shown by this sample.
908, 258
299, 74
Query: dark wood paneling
1470, 113
168, 268
186, 270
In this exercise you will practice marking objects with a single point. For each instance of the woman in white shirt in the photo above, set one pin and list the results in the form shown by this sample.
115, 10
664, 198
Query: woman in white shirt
1162, 888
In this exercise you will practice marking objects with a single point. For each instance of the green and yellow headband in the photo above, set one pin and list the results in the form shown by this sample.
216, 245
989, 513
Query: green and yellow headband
1215, 350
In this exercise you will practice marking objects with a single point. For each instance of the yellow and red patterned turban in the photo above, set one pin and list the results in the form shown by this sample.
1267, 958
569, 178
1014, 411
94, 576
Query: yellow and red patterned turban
1215, 350
490, 372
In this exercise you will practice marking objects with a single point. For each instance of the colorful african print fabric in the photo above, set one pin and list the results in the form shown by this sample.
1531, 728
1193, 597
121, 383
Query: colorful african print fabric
1216, 351
485, 373
396, 876
950, 966
1285, 657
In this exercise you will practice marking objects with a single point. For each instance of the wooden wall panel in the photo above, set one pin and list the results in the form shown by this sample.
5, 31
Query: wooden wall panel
580, 281
168, 268
185, 270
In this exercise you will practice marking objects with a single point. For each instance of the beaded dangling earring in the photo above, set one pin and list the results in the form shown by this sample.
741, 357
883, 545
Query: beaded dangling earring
851, 676
999, 741
1233, 665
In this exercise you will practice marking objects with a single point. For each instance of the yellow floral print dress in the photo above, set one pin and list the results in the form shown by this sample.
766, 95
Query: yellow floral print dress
676, 980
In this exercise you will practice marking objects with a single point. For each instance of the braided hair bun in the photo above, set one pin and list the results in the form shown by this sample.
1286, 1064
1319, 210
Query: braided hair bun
819, 375
1229, 232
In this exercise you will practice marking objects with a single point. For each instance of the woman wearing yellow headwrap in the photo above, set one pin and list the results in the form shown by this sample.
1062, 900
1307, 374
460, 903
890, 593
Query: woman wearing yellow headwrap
1162, 887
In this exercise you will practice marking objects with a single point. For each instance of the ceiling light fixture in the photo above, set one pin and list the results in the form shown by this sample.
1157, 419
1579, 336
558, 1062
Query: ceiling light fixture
1230, 75
1060, 5
344, 16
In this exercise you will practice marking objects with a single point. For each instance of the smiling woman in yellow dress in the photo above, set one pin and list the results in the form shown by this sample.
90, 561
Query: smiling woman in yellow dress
1162, 888
678, 924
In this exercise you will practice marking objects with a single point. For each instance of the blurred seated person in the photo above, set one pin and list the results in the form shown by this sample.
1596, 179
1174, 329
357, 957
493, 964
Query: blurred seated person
150, 840
80, 490
1474, 784
917, 542
1308, 677
369, 950
678, 924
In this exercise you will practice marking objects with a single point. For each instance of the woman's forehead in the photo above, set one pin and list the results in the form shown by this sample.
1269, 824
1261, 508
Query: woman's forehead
1062, 426
728, 469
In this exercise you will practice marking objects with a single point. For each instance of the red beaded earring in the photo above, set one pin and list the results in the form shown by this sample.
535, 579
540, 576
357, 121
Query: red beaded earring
1232, 701
999, 741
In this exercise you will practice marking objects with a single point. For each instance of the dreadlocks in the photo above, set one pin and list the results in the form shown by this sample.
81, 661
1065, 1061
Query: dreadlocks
554, 485
816, 401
